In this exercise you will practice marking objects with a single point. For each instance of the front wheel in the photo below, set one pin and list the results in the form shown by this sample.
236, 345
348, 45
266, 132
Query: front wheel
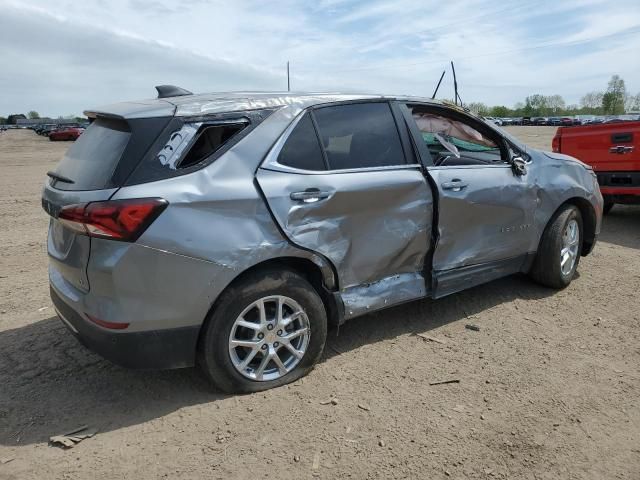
267, 330
559, 251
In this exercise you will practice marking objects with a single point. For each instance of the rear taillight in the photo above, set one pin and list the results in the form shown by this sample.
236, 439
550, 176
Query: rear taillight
123, 220
555, 143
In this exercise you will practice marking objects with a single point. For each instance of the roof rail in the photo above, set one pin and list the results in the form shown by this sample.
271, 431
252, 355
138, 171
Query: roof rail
165, 91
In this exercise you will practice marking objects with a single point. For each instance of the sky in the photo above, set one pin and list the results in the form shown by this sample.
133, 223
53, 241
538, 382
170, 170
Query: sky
61, 57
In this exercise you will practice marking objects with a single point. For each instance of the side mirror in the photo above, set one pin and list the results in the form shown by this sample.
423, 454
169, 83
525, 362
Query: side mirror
519, 166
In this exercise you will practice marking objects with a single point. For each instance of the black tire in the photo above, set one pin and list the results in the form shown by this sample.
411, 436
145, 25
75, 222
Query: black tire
607, 207
546, 268
213, 349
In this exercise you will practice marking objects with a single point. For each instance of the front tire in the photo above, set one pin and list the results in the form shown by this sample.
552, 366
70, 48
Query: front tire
559, 251
267, 330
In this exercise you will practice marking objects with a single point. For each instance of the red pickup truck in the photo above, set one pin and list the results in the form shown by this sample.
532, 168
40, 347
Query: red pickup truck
613, 151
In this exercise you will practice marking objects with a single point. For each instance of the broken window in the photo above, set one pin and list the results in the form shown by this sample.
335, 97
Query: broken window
210, 139
453, 142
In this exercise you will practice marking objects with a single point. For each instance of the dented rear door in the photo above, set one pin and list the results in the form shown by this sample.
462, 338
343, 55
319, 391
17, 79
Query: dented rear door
371, 222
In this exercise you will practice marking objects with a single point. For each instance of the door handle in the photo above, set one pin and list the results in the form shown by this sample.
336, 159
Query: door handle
456, 185
310, 195
620, 149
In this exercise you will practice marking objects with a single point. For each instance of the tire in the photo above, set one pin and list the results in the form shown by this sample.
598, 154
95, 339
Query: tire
215, 351
547, 268
607, 207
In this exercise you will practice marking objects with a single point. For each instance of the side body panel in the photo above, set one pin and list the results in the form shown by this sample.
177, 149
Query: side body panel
215, 227
489, 219
372, 225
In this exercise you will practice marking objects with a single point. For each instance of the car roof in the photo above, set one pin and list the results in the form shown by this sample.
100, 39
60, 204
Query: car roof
219, 102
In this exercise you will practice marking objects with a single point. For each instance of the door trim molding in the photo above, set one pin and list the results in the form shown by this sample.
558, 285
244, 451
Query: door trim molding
446, 282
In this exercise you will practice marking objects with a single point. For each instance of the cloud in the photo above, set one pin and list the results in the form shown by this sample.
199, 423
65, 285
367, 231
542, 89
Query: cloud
60, 59
61, 67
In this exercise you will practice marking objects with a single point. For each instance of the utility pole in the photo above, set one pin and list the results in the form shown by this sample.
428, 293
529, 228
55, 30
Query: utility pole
288, 81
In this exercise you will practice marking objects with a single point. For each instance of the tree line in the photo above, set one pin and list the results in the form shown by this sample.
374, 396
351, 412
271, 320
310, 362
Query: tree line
615, 100
33, 115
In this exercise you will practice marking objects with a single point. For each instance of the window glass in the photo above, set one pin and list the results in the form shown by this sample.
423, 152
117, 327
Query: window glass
302, 149
359, 136
92, 158
210, 140
452, 142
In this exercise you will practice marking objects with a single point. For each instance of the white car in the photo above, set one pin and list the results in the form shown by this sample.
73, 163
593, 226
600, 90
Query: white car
496, 121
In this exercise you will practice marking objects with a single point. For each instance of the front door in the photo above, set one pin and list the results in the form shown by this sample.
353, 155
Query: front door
485, 210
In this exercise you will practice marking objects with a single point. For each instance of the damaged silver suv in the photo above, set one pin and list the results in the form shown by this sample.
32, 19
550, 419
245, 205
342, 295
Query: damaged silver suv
231, 230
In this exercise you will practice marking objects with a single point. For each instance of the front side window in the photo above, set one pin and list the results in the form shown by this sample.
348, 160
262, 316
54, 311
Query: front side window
360, 135
452, 142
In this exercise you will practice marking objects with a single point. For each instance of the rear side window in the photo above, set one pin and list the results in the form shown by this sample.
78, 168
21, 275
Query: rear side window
302, 149
209, 140
360, 135
92, 159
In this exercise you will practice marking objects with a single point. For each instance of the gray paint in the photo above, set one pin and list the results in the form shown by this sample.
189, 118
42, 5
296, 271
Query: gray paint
374, 230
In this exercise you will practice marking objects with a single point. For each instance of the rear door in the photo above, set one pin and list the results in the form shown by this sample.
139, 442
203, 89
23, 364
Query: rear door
485, 211
343, 181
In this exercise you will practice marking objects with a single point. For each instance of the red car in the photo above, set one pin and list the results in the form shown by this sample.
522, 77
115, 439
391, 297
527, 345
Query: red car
69, 133
566, 121
613, 150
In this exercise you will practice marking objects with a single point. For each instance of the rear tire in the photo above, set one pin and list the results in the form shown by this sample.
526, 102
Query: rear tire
561, 243
281, 295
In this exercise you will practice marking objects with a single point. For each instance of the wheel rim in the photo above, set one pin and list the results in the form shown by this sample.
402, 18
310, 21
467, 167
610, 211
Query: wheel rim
269, 338
570, 244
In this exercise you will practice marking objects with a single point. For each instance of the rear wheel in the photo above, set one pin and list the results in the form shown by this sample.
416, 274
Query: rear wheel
268, 330
559, 251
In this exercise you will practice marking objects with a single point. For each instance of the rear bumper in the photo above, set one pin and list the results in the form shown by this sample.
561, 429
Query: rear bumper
628, 195
151, 349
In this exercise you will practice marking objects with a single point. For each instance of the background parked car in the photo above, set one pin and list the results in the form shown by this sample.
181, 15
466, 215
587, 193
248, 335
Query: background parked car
554, 121
67, 133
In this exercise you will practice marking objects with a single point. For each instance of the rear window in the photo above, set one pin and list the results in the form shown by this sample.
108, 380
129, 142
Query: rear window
92, 159
359, 136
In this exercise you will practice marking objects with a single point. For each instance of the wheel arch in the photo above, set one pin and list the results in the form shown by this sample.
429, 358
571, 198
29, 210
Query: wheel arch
318, 273
589, 222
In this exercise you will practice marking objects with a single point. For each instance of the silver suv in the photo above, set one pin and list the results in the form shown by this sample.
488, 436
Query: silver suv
231, 230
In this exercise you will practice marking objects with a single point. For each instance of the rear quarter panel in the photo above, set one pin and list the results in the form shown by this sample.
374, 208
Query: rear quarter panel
216, 216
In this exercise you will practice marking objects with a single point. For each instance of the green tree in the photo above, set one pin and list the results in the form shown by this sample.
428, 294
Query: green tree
478, 108
500, 111
3, 121
555, 104
11, 120
535, 105
613, 100
591, 103
33, 115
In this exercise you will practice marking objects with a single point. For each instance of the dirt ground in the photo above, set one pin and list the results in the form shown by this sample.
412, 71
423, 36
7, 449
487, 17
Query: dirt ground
548, 388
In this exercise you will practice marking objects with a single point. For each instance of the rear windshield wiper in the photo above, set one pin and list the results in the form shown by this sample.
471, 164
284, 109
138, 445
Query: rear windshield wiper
61, 178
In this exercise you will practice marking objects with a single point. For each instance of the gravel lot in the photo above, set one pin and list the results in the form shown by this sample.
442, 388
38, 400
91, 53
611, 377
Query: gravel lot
549, 387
